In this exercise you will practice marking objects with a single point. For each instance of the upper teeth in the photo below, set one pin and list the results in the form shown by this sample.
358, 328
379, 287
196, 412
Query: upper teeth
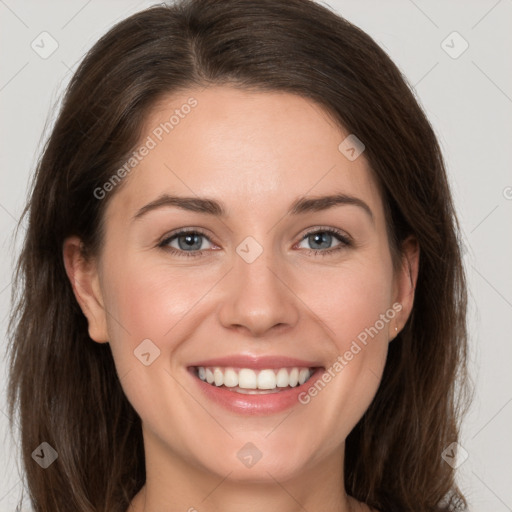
247, 378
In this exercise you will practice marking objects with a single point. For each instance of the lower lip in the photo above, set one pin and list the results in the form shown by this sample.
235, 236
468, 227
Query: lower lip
258, 404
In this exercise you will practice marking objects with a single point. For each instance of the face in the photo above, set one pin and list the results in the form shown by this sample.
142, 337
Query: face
269, 285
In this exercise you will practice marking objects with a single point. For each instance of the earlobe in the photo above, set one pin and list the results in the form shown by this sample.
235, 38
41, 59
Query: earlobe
84, 279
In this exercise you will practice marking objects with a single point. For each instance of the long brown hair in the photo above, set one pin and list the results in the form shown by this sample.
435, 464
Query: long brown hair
63, 388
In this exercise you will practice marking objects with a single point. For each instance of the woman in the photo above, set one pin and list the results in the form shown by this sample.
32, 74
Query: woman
241, 285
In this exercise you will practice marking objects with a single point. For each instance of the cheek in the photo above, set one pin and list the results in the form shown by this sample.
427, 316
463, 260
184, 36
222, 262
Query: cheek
349, 298
149, 300
154, 302
362, 325
354, 304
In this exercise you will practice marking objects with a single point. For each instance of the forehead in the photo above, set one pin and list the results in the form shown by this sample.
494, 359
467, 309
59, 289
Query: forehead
258, 149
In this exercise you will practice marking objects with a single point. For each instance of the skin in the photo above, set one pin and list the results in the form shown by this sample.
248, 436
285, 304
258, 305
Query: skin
256, 152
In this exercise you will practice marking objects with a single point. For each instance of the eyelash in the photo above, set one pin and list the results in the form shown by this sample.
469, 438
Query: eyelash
345, 242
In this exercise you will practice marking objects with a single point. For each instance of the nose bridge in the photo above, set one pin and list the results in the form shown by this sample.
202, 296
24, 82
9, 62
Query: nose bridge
257, 297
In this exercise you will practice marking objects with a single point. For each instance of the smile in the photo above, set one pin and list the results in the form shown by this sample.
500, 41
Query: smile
250, 381
250, 384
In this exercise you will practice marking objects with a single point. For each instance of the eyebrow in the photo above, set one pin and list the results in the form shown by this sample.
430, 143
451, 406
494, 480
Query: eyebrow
215, 208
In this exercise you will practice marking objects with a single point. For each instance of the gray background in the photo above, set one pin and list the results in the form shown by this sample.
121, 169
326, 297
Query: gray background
469, 102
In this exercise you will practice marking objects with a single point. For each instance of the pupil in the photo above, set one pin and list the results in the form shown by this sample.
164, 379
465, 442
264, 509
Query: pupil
318, 237
190, 241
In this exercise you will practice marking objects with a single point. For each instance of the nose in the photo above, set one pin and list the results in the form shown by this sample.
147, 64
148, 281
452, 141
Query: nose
258, 299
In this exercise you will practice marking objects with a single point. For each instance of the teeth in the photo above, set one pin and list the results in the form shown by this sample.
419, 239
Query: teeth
303, 375
230, 378
267, 379
294, 377
282, 381
247, 379
218, 377
244, 379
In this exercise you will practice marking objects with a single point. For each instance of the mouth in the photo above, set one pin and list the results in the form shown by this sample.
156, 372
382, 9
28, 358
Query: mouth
254, 385
250, 381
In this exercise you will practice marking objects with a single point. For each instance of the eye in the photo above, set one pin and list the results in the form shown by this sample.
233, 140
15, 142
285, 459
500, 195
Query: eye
186, 243
189, 243
322, 239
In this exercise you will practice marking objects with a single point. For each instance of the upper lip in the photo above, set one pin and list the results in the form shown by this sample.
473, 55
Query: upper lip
256, 362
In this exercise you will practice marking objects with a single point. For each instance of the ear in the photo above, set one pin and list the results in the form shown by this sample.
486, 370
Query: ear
84, 278
405, 282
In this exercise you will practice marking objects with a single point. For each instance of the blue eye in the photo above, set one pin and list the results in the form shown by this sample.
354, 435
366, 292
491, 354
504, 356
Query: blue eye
324, 237
190, 242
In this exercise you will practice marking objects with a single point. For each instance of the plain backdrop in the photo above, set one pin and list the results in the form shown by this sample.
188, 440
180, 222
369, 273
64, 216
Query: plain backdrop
467, 95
